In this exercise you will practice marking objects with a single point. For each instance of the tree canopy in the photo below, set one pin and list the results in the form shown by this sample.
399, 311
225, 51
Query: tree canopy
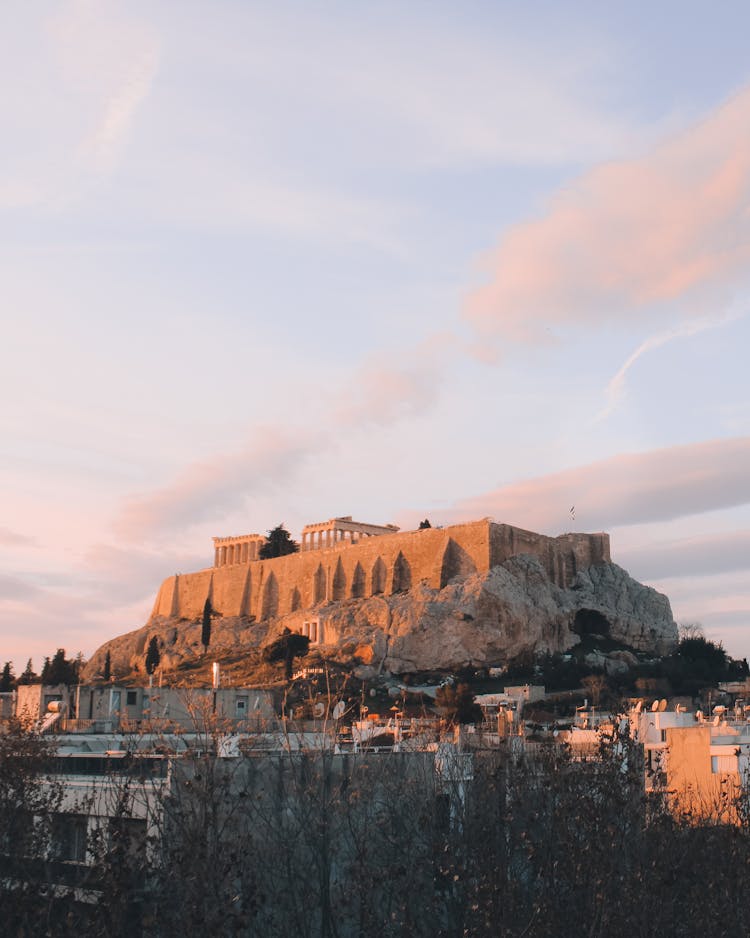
206, 625
279, 543
59, 669
456, 701
286, 648
29, 675
7, 679
153, 655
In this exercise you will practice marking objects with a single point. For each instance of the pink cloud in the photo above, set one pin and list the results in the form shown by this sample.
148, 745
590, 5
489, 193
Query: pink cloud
9, 538
628, 489
630, 238
209, 489
386, 389
701, 555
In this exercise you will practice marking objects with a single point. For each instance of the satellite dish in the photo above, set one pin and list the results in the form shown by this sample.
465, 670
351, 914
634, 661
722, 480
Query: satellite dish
319, 709
639, 706
662, 705
655, 706
716, 720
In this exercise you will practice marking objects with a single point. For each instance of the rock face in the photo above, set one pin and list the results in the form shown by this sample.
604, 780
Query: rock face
478, 620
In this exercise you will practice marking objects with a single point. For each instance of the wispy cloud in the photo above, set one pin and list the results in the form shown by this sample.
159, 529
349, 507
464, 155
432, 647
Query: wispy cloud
632, 488
209, 489
101, 148
615, 389
16, 588
639, 238
446, 92
698, 556
387, 388
10, 538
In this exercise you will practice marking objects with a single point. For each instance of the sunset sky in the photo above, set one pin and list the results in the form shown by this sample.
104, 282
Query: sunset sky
278, 262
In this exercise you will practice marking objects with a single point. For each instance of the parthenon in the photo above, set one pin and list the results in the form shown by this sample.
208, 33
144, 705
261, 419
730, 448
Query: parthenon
338, 531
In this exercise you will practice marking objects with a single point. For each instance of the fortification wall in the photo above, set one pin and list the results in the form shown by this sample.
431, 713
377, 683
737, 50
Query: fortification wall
562, 556
390, 563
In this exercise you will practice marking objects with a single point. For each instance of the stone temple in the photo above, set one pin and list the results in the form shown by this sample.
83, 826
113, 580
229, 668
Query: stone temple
343, 559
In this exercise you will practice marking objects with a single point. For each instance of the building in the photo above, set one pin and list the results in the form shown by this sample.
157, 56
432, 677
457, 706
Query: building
702, 765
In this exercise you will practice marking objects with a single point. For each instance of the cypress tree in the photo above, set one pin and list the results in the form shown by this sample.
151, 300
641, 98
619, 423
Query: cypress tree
29, 676
206, 629
6, 680
153, 656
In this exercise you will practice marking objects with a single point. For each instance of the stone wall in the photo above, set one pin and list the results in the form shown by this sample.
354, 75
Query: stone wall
390, 563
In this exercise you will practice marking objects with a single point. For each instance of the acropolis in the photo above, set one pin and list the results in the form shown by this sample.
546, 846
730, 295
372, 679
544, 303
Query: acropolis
344, 559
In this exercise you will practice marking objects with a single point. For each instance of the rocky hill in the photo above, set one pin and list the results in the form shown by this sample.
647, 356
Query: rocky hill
479, 620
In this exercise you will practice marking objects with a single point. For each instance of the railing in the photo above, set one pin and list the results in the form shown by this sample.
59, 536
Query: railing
69, 725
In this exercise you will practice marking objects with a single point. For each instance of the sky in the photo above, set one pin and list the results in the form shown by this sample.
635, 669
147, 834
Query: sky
280, 262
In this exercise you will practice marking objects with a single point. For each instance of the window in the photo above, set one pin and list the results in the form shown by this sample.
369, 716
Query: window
132, 698
442, 813
241, 707
127, 836
724, 764
69, 837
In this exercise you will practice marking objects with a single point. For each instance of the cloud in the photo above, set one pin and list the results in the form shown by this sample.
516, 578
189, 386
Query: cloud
310, 212
209, 489
448, 92
720, 603
17, 589
615, 389
102, 146
10, 538
705, 555
111, 590
116, 576
627, 489
385, 390
628, 240
108, 59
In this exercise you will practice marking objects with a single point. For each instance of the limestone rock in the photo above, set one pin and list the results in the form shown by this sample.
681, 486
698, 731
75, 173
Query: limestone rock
478, 620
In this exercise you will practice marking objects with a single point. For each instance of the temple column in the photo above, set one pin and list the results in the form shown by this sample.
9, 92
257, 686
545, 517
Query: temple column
216, 556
